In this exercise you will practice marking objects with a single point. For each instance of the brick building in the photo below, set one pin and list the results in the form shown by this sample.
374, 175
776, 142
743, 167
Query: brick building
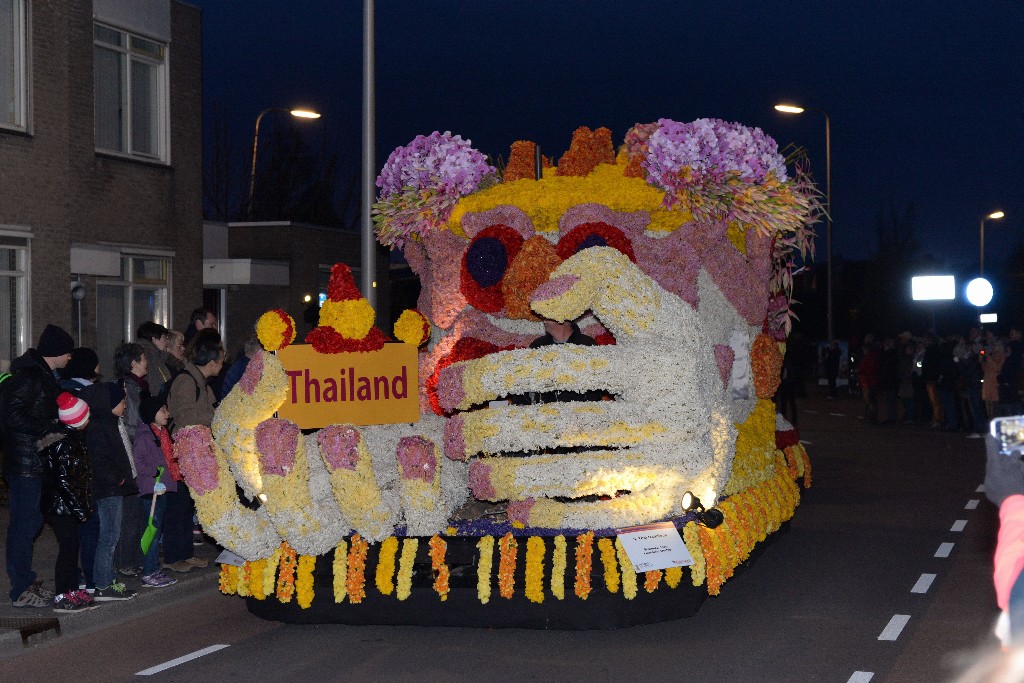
100, 168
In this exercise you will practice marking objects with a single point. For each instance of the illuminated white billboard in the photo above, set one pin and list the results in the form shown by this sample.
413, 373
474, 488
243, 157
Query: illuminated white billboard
933, 287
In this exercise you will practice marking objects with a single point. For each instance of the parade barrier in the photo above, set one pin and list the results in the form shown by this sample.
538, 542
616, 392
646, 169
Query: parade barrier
535, 480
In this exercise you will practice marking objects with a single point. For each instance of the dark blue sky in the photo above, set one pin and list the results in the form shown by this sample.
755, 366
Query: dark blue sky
926, 99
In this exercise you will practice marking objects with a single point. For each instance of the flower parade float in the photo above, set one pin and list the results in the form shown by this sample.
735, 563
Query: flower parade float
675, 254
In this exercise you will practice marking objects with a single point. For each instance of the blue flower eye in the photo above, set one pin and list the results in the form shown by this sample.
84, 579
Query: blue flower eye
486, 261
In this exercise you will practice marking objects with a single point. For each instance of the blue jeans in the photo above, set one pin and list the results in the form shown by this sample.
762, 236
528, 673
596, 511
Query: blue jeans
948, 399
1017, 609
151, 563
108, 510
25, 498
88, 538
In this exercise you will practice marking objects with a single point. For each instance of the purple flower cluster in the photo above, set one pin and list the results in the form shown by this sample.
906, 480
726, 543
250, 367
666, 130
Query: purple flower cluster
711, 149
441, 162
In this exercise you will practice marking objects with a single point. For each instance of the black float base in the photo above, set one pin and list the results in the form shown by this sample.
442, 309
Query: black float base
423, 607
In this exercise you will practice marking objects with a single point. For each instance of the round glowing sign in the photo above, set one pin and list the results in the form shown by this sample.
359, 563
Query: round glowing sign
979, 291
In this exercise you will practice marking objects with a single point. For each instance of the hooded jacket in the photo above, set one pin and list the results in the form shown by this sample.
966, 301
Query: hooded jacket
111, 469
29, 413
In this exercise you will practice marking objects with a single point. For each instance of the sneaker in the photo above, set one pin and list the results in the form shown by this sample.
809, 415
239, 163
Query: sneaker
30, 598
182, 566
157, 580
85, 597
38, 589
198, 562
67, 602
128, 571
115, 591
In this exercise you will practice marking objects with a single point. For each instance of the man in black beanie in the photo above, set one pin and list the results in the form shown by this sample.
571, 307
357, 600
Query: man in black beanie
29, 414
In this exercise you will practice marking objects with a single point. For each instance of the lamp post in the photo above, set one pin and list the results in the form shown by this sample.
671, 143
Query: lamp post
795, 109
297, 113
994, 216
368, 263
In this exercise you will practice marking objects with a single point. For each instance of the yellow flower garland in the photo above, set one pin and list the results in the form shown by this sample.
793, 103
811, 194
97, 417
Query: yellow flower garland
699, 568
243, 580
611, 571
628, 572
483, 568
584, 559
438, 547
385, 574
340, 571
535, 550
405, 563
507, 565
673, 575
304, 582
270, 573
558, 568
355, 582
254, 572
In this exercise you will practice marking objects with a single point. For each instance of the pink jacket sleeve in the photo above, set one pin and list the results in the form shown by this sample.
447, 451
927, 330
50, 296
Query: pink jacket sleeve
1009, 557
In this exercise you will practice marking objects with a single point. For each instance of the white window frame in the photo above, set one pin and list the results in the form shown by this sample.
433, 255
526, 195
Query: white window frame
22, 243
133, 56
126, 280
19, 70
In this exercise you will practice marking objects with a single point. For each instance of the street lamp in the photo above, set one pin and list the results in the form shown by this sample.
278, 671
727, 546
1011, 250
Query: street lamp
297, 113
795, 109
994, 216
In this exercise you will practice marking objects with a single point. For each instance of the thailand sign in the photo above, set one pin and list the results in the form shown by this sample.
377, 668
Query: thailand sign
375, 387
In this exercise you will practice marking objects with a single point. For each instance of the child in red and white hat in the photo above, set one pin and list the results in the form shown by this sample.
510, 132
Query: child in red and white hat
67, 498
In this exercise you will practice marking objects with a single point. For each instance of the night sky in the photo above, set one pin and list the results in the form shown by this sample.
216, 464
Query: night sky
926, 99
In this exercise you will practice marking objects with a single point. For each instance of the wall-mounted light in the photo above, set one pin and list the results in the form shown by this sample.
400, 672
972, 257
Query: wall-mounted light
710, 518
306, 299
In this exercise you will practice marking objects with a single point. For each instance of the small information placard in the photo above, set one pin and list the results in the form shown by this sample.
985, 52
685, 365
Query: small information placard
655, 546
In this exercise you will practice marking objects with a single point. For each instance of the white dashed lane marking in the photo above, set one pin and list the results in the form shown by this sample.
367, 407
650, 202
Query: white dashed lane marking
895, 627
861, 677
980, 489
838, 414
923, 584
972, 504
958, 525
180, 660
944, 550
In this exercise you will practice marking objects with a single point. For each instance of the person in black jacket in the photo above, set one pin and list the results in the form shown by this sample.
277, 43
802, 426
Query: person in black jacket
556, 333
67, 499
29, 414
112, 480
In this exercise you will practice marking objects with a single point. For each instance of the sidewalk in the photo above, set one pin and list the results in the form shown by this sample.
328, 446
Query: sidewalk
24, 627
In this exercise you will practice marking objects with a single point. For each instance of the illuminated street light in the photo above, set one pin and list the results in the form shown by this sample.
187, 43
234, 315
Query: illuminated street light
786, 108
994, 216
307, 114
979, 292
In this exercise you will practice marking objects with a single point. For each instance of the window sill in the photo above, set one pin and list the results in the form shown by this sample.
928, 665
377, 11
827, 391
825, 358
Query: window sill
19, 132
152, 163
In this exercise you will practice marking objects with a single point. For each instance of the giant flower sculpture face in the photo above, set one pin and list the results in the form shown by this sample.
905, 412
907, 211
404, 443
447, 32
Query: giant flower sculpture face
674, 304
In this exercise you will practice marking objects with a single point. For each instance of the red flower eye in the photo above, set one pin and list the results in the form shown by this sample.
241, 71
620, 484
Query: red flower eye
484, 264
588, 235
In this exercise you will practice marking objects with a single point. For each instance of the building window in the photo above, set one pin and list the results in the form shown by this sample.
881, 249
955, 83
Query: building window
143, 293
131, 94
12, 64
13, 297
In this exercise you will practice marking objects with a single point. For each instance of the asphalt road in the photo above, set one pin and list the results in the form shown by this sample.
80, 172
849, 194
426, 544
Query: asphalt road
884, 575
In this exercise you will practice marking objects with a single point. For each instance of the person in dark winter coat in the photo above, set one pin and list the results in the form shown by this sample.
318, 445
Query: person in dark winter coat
29, 414
112, 480
67, 499
82, 370
131, 366
567, 332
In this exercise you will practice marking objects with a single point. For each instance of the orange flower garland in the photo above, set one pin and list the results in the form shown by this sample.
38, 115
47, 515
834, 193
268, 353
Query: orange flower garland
507, 565
651, 580
584, 560
438, 547
286, 573
228, 579
243, 580
355, 581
